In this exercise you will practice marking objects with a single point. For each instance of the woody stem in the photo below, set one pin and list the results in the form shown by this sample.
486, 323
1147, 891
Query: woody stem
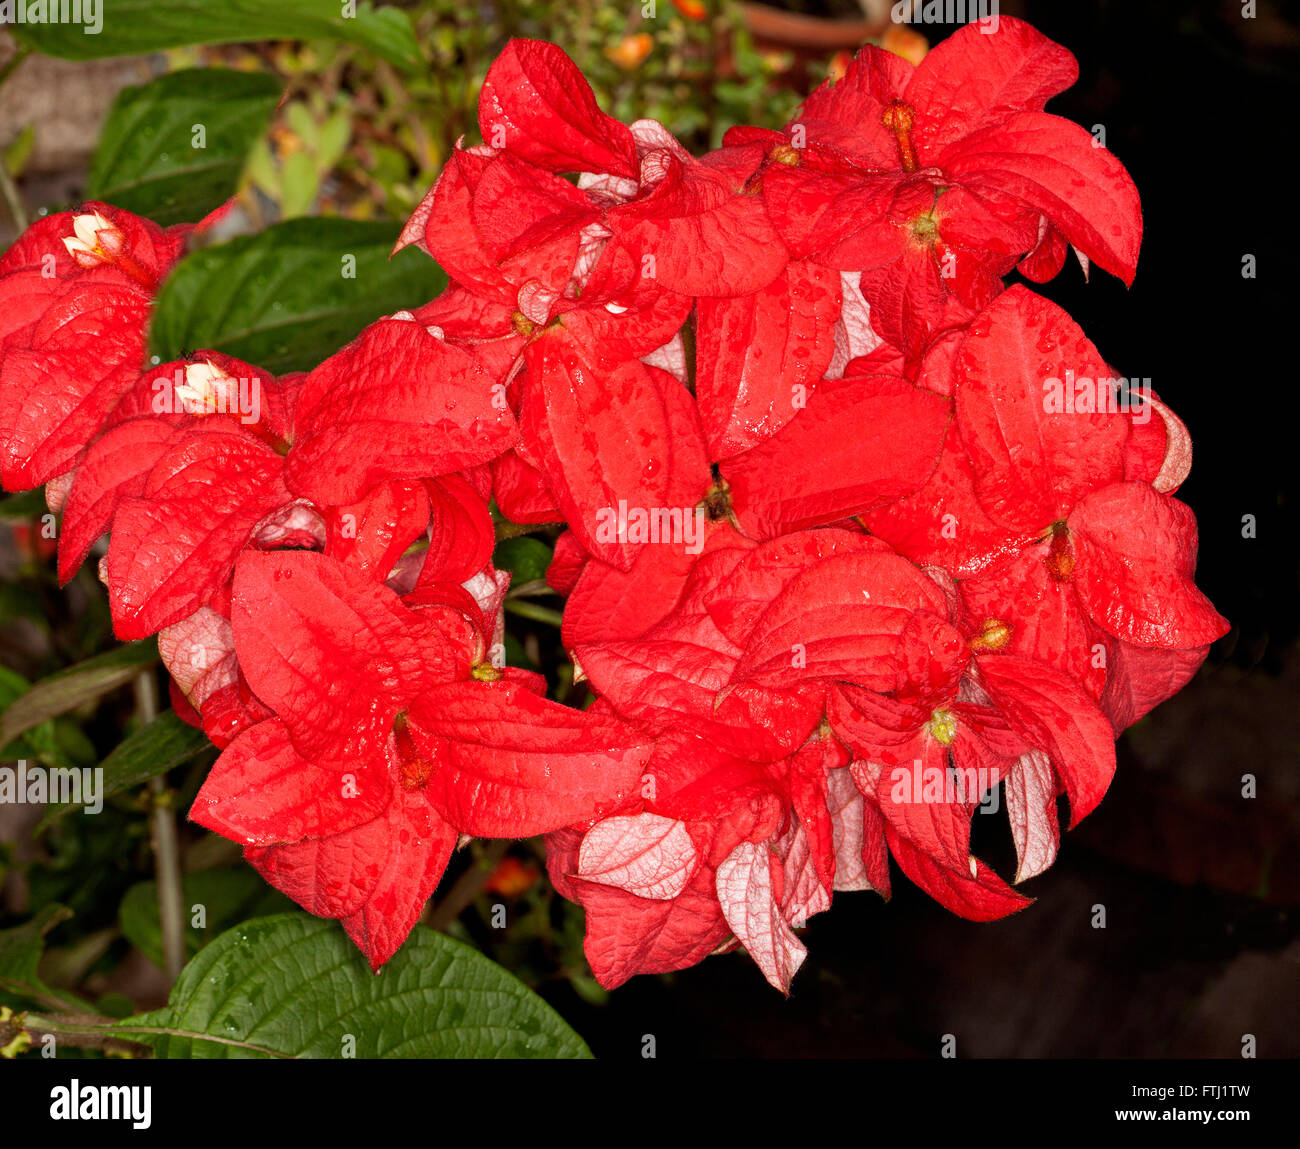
13, 200
525, 609
82, 1031
166, 847
468, 885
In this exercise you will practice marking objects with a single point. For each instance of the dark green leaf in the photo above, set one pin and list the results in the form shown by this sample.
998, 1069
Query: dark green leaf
226, 897
114, 1004
20, 954
524, 557
149, 160
22, 601
24, 505
19, 151
165, 743
295, 986
58, 742
70, 687
280, 299
12, 686
137, 27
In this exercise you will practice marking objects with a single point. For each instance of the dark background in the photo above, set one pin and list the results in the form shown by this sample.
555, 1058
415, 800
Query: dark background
1200, 885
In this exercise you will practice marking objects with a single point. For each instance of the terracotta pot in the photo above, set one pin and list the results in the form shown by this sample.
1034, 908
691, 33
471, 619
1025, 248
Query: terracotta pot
772, 27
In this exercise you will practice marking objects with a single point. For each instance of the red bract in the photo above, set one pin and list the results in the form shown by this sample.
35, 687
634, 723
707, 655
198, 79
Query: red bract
399, 402
891, 544
536, 103
392, 735
593, 277
75, 292
759, 355
601, 437
704, 852
1092, 550
860, 444
845, 609
936, 180
174, 544
185, 488
644, 192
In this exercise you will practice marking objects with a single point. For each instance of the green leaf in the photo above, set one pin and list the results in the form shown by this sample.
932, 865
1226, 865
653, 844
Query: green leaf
55, 742
335, 134
227, 897
74, 685
261, 169
147, 160
12, 686
298, 185
524, 557
19, 150
22, 601
295, 986
137, 27
162, 745
280, 298
114, 1004
301, 123
20, 954
24, 505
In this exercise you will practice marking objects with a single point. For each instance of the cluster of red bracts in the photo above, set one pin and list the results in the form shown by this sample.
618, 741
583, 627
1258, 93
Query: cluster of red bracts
874, 540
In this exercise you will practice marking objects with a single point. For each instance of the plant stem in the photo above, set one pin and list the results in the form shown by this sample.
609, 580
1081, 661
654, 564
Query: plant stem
13, 200
688, 348
467, 886
166, 845
11, 65
525, 609
7, 186
83, 1032
537, 586
505, 529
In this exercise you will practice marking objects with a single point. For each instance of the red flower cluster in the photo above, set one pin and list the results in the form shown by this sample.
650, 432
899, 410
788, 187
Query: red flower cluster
857, 539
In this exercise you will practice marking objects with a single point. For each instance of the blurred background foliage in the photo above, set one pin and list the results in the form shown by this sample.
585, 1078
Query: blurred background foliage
358, 137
